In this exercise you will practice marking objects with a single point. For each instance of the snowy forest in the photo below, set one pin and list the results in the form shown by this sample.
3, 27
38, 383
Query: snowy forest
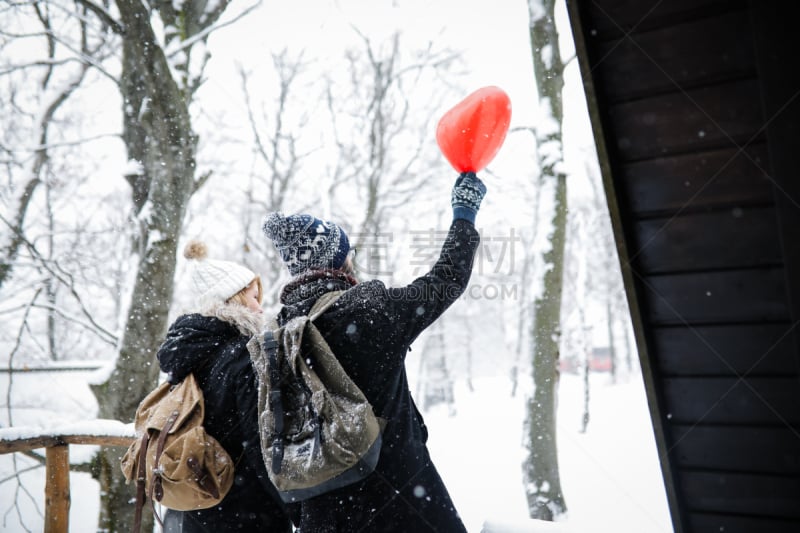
131, 127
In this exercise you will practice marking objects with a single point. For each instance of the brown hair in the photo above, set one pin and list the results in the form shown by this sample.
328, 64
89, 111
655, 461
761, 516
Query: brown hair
239, 298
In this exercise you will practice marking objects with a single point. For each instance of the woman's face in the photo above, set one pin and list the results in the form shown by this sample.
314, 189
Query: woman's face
251, 297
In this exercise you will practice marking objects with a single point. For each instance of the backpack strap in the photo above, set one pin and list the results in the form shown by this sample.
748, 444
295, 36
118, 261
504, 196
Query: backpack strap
141, 478
270, 347
156, 485
157, 488
204, 479
323, 303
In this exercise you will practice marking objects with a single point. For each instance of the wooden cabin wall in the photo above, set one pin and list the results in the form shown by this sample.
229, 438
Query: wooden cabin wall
696, 110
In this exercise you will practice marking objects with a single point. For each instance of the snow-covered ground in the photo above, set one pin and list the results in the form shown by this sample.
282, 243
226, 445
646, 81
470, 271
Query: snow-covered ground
610, 474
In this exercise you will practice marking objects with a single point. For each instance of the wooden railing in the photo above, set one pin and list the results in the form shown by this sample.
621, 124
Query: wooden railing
56, 444
113, 433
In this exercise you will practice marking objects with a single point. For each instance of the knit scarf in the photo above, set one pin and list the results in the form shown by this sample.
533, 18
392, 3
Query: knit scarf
315, 283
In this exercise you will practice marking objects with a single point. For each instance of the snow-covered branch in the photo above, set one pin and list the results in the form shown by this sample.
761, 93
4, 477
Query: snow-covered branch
184, 45
103, 15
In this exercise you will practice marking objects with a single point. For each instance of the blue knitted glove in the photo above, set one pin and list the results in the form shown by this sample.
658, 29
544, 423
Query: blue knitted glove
468, 192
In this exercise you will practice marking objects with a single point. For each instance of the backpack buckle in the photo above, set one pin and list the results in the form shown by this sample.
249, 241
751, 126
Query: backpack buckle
277, 454
270, 344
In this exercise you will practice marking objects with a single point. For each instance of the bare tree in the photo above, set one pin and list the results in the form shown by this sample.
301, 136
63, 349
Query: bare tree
540, 469
157, 85
276, 143
382, 120
528, 257
609, 285
38, 88
435, 381
579, 281
54, 91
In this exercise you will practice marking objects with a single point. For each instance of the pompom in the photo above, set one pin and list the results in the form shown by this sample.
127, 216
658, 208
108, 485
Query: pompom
274, 227
195, 250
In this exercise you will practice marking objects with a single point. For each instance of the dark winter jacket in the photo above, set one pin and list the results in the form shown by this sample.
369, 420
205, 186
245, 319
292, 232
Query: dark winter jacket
370, 329
212, 345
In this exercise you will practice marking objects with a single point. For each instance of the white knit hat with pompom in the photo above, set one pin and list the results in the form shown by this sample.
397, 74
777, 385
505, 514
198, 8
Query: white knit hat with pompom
215, 281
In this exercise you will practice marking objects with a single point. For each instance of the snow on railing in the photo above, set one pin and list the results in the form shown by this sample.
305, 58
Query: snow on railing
56, 441
54, 366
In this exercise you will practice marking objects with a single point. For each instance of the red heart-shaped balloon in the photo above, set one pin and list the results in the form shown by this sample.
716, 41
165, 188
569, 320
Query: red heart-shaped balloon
471, 133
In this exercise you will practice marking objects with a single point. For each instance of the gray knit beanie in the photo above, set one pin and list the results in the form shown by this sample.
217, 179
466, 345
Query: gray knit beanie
305, 242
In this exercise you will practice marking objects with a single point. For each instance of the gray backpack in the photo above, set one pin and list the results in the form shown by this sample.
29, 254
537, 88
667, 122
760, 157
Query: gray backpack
318, 431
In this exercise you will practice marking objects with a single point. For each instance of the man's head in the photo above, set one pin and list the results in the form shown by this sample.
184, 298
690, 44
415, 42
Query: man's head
307, 243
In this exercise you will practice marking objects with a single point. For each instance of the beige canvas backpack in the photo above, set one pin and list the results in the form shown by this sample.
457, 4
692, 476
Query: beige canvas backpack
174, 461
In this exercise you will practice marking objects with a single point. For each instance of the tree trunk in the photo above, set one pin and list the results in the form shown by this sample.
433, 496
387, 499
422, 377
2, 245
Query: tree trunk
612, 350
542, 480
438, 384
468, 350
586, 392
628, 350
158, 134
587, 348
541, 474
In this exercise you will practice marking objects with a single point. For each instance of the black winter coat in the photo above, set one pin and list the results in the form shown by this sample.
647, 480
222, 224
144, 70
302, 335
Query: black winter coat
370, 329
213, 347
